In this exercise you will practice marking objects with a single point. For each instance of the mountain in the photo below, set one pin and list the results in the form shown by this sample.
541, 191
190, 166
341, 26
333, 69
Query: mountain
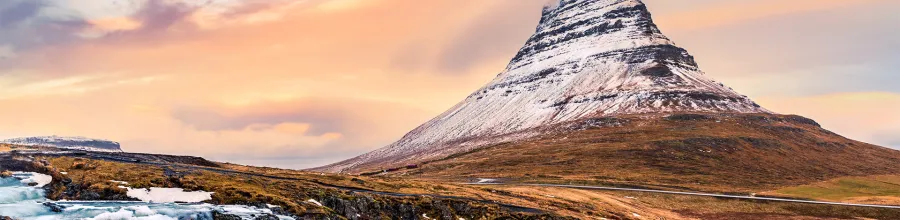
604, 64
74, 143
588, 58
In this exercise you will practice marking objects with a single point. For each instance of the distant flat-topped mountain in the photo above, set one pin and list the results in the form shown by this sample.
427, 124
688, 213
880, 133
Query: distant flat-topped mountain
74, 143
593, 61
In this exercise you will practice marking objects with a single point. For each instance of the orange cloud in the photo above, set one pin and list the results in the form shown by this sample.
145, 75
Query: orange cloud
867, 116
292, 128
115, 24
739, 11
343, 5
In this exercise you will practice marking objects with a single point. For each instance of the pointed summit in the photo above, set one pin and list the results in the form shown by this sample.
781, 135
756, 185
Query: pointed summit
588, 58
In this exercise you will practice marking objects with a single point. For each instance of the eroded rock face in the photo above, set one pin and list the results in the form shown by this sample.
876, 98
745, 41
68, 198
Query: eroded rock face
361, 206
587, 59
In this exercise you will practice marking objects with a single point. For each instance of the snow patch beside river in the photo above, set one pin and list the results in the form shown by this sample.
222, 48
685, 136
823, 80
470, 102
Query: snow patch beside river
40, 179
163, 195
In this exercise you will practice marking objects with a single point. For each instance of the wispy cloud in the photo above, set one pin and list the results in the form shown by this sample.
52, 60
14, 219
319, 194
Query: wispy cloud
867, 116
6, 52
27, 24
19, 12
330, 6
730, 12
17, 86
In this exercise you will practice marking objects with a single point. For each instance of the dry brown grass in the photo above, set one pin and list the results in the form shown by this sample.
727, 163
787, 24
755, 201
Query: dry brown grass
5, 148
718, 153
882, 189
591, 204
229, 188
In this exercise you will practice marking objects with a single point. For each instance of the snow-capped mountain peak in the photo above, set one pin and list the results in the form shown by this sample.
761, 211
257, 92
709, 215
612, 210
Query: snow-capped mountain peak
73, 143
587, 58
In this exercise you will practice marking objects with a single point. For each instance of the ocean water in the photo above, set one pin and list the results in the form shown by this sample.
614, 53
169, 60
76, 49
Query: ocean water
20, 201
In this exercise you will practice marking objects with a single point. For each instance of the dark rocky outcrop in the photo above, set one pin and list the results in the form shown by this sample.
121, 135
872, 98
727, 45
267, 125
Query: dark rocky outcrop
54, 207
367, 206
603, 122
689, 117
221, 216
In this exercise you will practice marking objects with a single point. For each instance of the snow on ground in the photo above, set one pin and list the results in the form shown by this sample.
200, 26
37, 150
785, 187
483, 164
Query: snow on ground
485, 180
313, 201
166, 195
30, 177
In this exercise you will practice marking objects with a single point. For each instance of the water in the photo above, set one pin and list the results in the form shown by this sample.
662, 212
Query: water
20, 201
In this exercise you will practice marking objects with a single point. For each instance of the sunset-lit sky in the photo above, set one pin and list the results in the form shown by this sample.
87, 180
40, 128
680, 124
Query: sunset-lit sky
301, 83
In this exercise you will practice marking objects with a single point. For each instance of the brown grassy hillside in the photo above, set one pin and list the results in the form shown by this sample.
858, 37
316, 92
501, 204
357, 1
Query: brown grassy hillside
724, 153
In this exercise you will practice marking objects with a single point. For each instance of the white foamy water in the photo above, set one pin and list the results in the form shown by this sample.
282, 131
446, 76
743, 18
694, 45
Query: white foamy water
20, 201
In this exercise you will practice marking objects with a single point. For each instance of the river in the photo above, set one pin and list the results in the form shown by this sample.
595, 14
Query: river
21, 201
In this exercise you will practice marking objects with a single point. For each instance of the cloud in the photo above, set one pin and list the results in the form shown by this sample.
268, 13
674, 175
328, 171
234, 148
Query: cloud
103, 26
25, 24
245, 13
143, 123
822, 79
158, 15
17, 85
330, 6
730, 12
6, 51
895, 143
866, 116
321, 116
491, 35
889, 139
799, 53
35, 24
16, 12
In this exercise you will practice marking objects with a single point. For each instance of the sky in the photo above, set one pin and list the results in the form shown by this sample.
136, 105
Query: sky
303, 83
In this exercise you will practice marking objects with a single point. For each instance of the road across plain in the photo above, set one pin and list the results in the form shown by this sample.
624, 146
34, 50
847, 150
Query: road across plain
698, 194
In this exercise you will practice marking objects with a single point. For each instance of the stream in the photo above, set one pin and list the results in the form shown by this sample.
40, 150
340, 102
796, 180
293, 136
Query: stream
21, 197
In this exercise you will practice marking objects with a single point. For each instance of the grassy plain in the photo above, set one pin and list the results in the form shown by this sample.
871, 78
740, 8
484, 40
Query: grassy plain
882, 189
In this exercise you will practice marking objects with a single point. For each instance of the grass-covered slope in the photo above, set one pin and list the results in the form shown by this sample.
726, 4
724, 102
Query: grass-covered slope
882, 189
707, 152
